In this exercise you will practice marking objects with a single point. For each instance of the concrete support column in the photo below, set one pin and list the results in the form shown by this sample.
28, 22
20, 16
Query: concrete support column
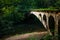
43, 22
48, 26
56, 28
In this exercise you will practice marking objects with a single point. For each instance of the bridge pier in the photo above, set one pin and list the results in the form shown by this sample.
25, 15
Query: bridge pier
56, 28
47, 26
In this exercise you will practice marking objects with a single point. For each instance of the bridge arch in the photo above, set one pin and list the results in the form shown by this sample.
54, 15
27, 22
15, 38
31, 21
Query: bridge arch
40, 22
51, 24
44, 18
40, 15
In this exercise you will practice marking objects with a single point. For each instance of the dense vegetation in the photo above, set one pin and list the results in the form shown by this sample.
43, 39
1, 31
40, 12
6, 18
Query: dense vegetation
14, 12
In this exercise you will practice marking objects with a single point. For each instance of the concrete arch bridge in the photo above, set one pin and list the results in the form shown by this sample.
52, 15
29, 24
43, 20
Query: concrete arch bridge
49, 19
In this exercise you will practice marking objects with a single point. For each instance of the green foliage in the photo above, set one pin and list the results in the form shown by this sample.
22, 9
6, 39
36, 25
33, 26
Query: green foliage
47, 37
32, 38
12, 12
57, 4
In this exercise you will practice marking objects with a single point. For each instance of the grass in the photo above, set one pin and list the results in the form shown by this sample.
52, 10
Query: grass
32, 38
45, 9
47, 37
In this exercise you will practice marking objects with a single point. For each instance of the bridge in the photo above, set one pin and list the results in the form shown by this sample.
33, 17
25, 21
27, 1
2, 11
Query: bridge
49, 19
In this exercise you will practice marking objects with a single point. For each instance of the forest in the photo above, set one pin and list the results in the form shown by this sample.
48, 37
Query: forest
14, 13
